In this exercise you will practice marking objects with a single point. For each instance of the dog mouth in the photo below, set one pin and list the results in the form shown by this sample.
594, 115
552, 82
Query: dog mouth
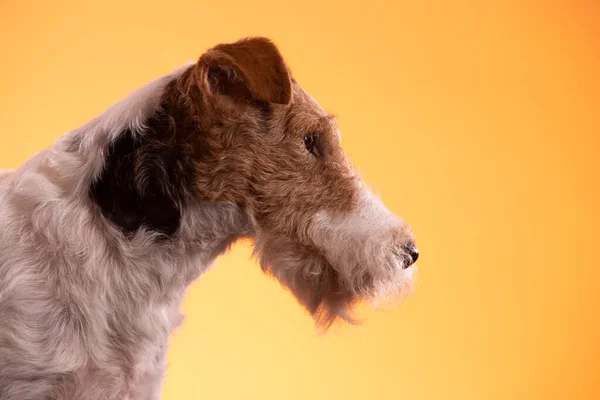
405, 260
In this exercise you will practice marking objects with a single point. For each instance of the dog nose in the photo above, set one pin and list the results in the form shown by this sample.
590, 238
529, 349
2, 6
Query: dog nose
413, 252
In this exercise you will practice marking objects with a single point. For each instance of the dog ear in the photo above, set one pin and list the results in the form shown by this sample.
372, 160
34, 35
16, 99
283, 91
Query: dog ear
250, 69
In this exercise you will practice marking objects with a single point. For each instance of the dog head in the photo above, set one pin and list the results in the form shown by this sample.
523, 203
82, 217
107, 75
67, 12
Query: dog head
250, 136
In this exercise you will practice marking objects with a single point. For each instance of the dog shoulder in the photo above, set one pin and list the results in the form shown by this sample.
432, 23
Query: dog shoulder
5, 174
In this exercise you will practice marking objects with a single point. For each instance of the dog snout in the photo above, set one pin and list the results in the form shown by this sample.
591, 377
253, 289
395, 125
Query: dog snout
413, 254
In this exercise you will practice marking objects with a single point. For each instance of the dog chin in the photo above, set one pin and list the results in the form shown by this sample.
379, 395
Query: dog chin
383, 294
395, 289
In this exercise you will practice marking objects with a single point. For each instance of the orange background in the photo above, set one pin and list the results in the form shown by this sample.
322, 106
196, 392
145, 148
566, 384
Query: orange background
478, 123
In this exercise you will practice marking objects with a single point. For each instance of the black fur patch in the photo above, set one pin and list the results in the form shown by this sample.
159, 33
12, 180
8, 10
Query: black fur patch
145, 179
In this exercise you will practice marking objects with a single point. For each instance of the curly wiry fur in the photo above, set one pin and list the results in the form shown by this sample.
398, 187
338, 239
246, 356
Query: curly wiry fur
102, 232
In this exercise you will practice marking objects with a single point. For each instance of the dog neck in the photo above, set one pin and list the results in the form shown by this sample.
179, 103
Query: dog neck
146, 188
104, 195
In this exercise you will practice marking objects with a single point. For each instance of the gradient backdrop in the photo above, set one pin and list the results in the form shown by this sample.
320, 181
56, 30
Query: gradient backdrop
479, 123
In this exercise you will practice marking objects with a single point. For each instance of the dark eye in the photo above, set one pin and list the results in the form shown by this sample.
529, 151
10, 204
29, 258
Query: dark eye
310, 142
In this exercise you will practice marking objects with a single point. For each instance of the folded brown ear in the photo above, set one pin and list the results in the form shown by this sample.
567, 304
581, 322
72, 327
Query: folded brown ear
251, 67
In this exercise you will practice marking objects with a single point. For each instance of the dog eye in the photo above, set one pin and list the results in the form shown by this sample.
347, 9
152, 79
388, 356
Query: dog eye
310, 142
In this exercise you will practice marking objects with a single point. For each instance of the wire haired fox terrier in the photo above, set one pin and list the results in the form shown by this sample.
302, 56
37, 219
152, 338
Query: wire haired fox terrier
102, 232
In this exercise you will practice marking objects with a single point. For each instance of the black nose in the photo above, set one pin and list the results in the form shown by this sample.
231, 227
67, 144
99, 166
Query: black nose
413, 252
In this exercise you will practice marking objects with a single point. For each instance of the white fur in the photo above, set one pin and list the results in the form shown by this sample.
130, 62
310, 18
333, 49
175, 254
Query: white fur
368, 241
57, 323
4, 175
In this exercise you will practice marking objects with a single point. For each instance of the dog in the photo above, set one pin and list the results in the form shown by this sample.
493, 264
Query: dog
102, 232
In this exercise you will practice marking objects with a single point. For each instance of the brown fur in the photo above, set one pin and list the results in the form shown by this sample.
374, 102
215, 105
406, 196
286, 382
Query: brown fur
248, 149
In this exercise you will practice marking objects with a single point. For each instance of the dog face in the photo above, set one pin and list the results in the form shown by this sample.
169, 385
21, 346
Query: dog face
235, 128
271, 149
